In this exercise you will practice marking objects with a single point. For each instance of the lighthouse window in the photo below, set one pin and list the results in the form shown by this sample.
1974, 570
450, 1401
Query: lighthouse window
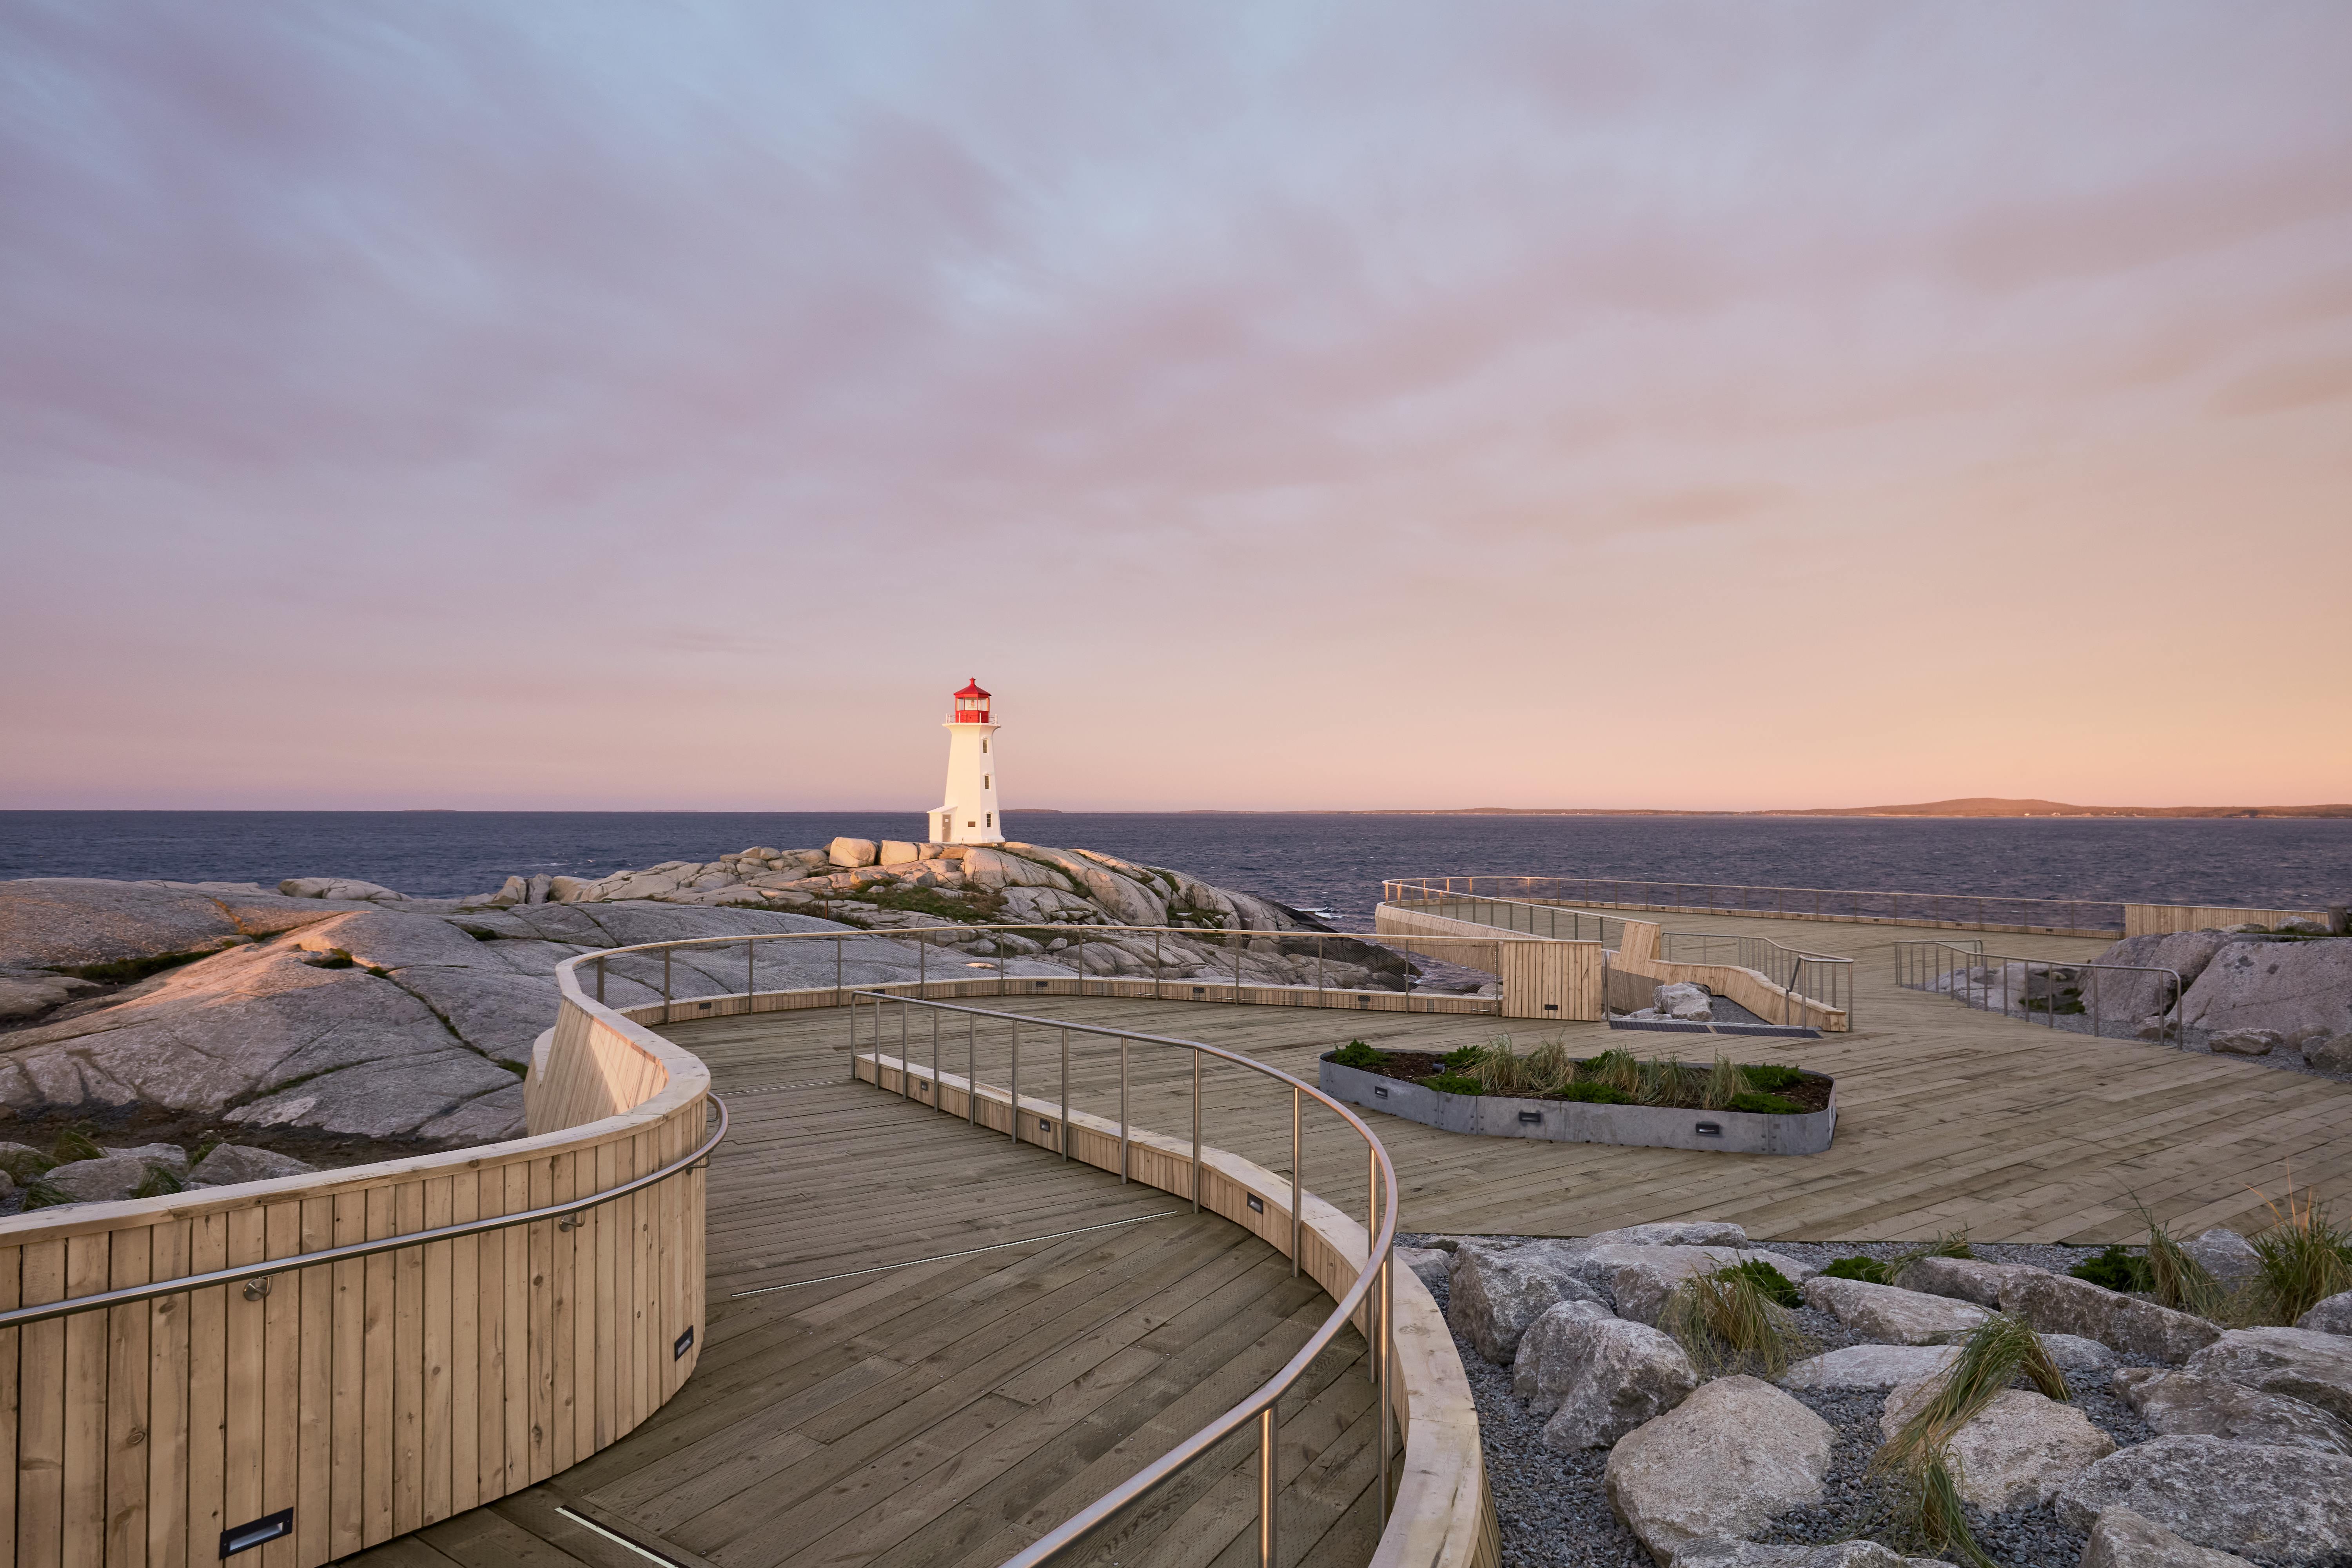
984, 745
987, 783
992, 818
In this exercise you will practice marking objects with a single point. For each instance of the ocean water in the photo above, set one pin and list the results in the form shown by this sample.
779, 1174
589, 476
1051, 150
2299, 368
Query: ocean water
1311, 860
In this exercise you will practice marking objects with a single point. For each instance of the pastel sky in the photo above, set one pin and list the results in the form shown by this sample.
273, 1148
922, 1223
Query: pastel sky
1276, 404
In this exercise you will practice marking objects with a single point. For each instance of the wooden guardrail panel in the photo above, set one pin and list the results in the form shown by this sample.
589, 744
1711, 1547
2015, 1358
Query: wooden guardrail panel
2165, 920
373, 1395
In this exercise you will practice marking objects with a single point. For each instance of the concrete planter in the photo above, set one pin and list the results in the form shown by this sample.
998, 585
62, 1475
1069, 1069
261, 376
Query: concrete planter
1574, 1121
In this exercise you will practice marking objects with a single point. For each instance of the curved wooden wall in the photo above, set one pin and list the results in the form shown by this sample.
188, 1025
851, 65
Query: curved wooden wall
370, 1397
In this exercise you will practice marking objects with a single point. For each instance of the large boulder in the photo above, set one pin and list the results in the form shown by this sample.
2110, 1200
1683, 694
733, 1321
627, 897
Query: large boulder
2330, 1056
2244, 1042
2316, 1368
2225, 1255
2332, 1316
106, 1181
2072, 1353
2018, 1450
2186, 1404
1887, 1315
2272, 1503
1682, 1000
2292, 987
29, 994
2130, 996
2122, 1538
2062, 1304
347, 889
1596, 1376
1495, 1294
1858, 1367
1638, 1280
853, 852
1717, 1466
1969, 1278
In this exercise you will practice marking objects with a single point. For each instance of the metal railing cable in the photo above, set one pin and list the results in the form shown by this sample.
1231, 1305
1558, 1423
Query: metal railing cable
1373, 1290
255, 1276
2066, 917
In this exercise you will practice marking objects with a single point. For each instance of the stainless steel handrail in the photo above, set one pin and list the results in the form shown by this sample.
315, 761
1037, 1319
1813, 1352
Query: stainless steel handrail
1239, 941
256, 1276
1260, 1405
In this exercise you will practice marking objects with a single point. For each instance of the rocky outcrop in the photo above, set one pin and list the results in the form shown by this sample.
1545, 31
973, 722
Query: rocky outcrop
1596, 1376
2122, 1538
2276, 1504
2061, 1304
1888, 1315
2017, 1451
2295, 988
1497, 1293
228, 1164
1717, 1466
2316, 1368
1837, 1554
2244, 1042
2332, 1316
2330, 1056
2188, 1403
2131, 997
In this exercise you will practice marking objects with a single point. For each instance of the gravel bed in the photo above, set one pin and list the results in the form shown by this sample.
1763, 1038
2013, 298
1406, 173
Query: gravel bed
1552, 1510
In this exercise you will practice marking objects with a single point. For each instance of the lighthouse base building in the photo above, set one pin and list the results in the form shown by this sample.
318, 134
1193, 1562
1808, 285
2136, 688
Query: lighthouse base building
969, 814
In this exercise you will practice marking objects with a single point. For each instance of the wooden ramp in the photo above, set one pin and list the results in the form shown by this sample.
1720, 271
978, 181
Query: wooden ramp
908, 1400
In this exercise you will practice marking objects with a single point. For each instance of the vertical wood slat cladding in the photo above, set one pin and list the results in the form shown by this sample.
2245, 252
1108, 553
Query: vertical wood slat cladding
2163, 920
369, 1396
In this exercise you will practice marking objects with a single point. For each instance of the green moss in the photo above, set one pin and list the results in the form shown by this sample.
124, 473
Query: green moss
1868, 1269
1356, 1054
1770, 1283
1450, 1083
1464, 1057
379, 972
2116, 1269
1764, 1104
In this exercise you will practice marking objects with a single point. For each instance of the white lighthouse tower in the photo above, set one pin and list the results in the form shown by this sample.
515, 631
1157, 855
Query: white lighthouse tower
970, 815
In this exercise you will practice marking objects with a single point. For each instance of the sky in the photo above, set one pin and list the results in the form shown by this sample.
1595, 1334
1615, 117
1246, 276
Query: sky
1276, 404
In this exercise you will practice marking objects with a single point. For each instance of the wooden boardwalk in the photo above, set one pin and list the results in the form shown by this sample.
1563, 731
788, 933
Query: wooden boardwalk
1947, 1116
946, 1411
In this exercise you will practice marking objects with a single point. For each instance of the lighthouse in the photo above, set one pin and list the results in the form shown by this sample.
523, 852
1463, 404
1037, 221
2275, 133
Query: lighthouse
970, 815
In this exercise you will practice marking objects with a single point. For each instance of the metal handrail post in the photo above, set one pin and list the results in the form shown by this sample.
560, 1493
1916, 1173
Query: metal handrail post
971, 1071
665, 1017
599, 977
1122, 1111
1066, 1094
1269, 1484
1237, 972
1386, 1351
906, 1077
1196, 1130
922, 965
1013, 1099
1371, 1230
1296, 1159
1156, 993
836, 997
751, 971
935, 1061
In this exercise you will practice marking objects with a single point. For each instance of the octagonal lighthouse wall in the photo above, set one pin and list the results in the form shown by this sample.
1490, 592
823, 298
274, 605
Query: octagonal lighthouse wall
969, 813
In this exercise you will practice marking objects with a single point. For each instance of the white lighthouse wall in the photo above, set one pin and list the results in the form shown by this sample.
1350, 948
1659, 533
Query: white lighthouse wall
969, 809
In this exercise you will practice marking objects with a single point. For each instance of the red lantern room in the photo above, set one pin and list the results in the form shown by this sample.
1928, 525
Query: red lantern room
971, 704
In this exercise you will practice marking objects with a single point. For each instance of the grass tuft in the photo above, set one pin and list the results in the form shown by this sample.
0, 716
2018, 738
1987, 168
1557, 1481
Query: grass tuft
1869, 1270
1927, 1494
2303, 1257
1726, 1083
157, 1181
74, 1143
1729, 1322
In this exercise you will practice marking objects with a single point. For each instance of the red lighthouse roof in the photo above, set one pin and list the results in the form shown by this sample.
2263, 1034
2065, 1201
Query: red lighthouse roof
973, 689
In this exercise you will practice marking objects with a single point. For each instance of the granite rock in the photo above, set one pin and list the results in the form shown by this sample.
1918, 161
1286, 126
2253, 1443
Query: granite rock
1885, 1314
1836, 1554
2272, 1503
2332, 1316
2061, 1304
2122, 1538
852, 852
2225, 1255
2333, 1055
1597, 1376
2283, 987
2130, 995
1496, 1294
2017, 1452
1967, 1278
1871, 1367
229, 1163
2316, 1368
1640, 1279
1718, 1465
103, 1181
1672, 1233
2244, 1042
2072, 1353
2188, 1403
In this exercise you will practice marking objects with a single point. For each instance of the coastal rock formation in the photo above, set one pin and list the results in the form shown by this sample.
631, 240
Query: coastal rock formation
1718, 1465
2289, 1505
339, 1007
2295, 988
